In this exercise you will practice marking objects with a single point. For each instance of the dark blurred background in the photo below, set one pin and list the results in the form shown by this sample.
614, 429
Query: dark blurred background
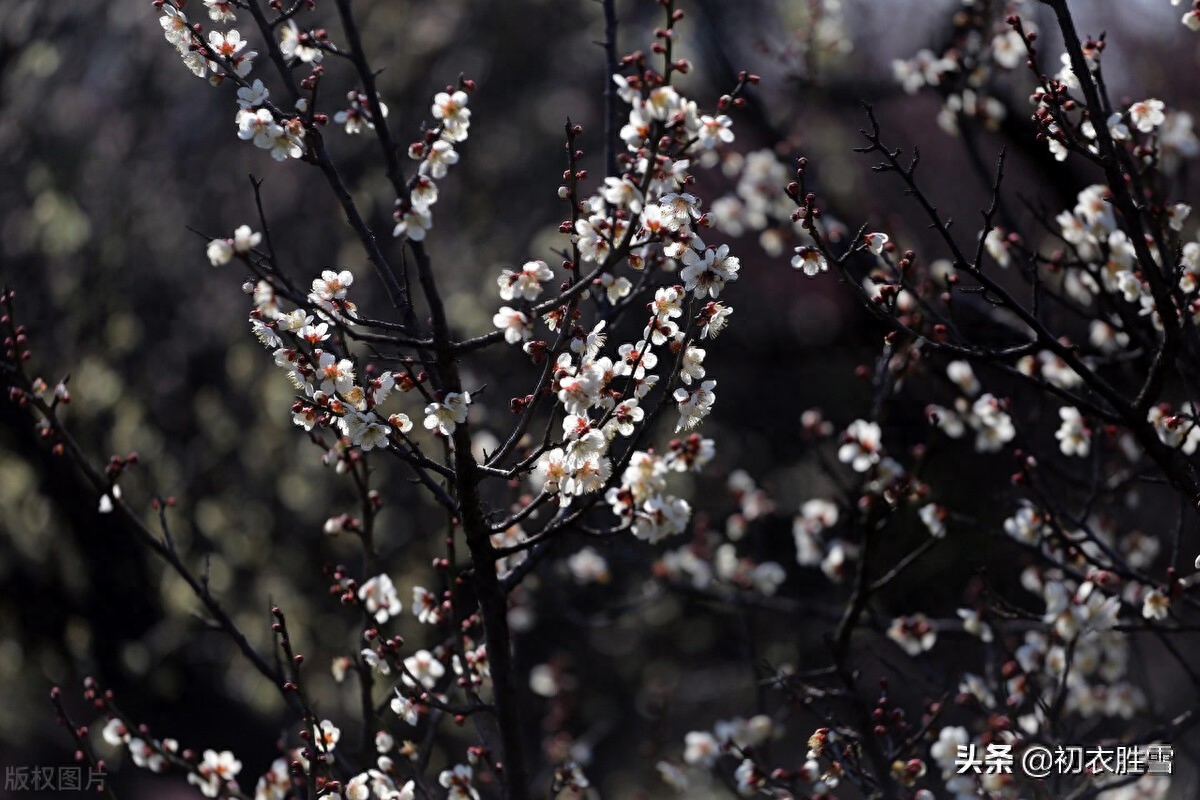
119, 164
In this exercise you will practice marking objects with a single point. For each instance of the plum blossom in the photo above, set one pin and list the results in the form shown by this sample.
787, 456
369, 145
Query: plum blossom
445, 416
220, 10
294, 44
694, 404
876, 242
379, 598
1147, 115
439, 158
1156, 605
245, 240
516, 325
364, 430
714, 130
1074, 437
914, 634
810, 260
458, 782
219, 252
862, 447
451, 109
963, 376
214, 772
413, 223
525, 284
405, 709
701, 749
423, 667
707, 273
253, 96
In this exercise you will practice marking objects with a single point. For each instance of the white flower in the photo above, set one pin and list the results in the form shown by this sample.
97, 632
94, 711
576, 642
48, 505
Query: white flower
438, 160
679, 209
516, 325
714, 130
749, 779
662, 103
635, 360
108, 499
405, 709
1177, 213
934, 517
1008, 49
373, 660
625, 417
327, 736
667, 303
716, 318
1028, 525
332, 285
245, 240
615, 288
276, 783
253, 96
1147, 114
451, 109
216, 770
338, 375
914, 634
996, 243
701, 749
426, 606
175, 27
1074, 437
964, 378
527, 283
862, 447
364, 430
551, 472
661, 516
1156, 605
588, 345
694, 404
424, 193
974, 624
379, 598
458, 781
291, 45
284, 141
220, 252
623, 193
708, 272
413, 223
227, 44
448, 414
588, 566
220, 10
257, 125
993, 426
424, 668
115, 732
876, 242
810, 260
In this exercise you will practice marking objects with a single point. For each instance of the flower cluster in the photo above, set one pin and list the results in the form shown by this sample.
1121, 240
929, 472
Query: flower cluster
436, 155
332, 391
216, 54
257, 123
983, 44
